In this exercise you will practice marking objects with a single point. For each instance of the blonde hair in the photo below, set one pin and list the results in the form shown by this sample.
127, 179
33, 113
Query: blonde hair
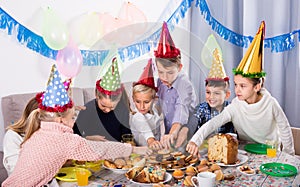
144, 89
34, 120
20, 126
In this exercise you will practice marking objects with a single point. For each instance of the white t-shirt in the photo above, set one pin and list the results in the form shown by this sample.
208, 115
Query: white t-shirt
258, 122
146, 126
11, 149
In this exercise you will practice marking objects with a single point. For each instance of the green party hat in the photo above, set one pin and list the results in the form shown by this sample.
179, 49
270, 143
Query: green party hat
110, 84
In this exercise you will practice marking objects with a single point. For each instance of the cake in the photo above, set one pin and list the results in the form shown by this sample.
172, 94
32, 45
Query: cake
223, 148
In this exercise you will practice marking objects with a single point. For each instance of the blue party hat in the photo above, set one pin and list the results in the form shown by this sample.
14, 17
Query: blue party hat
55, 98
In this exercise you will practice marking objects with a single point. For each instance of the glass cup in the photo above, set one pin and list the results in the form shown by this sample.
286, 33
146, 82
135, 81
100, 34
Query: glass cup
82, 176
128, 138
271, 148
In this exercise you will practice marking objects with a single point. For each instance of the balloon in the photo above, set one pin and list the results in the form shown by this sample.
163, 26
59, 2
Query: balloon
134, 16
54, 31
69, 60
91, 29
207, 50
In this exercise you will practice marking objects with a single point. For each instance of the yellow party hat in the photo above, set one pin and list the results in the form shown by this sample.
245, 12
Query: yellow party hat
217, 71
252, 63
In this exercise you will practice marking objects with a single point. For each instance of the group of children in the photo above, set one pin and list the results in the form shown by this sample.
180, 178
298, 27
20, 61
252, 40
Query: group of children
162, 116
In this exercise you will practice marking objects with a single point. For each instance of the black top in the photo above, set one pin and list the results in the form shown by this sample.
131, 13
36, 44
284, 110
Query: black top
112, 125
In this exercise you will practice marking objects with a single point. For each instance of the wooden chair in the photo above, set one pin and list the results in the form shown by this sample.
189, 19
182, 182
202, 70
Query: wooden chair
296, 136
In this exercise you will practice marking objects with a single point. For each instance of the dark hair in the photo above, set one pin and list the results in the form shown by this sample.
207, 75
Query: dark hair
218, 83
168, 62
256, 81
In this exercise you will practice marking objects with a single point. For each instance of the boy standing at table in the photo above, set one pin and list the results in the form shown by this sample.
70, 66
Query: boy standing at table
176, 95
216, 94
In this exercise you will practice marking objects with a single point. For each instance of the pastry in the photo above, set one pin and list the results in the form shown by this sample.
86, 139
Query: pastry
119, 162
178, 174
219, 175
191, 171
188, 181
109, 164
223, 148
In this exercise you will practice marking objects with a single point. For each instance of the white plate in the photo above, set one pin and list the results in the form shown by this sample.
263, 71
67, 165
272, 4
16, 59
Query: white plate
168, 177
244, 173
242, 158
116, 170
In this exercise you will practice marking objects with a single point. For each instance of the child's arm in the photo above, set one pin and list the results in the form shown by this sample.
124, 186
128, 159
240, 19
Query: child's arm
182, 136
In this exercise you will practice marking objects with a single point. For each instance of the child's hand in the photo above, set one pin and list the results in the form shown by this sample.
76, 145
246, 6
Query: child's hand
96, 138
141, 150
79, 107
193, 149
156, 145
167, 140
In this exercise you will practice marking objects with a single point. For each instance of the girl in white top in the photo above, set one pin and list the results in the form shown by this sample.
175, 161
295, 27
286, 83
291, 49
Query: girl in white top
14, 137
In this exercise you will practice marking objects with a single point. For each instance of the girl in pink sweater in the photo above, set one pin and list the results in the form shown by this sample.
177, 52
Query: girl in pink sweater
49, 141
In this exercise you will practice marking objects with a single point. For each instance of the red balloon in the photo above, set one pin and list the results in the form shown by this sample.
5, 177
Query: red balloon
69, 60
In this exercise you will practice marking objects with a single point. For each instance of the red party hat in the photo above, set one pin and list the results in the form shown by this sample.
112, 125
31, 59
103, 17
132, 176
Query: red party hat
147, 78
166, 47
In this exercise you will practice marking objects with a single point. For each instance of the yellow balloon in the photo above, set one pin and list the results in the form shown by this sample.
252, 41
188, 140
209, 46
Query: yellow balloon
91, 29
207, 51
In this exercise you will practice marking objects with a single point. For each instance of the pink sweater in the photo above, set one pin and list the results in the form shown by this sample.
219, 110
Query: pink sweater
50, 147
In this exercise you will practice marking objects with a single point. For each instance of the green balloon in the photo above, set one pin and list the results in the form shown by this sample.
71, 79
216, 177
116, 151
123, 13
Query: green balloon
54, 31
207, 51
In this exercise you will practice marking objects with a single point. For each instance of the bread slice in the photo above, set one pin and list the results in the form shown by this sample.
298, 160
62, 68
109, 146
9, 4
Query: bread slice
223, 148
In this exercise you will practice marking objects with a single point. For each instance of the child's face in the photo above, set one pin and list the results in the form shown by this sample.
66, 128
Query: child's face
215, 97
70, 118
143, 101
168, 75
106, 104
245, 90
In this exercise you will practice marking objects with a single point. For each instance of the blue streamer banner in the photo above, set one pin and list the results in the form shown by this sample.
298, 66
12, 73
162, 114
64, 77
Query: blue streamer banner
90, 57
36, 43
277, 44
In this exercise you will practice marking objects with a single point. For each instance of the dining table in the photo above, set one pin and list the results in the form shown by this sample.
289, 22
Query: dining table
106, 177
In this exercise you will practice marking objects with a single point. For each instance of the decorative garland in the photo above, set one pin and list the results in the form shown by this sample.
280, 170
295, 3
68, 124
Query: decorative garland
36, 43
90, 57
277, 44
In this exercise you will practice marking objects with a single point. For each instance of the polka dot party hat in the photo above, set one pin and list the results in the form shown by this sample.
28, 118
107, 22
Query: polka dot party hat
110, 84
55, 98
217, 71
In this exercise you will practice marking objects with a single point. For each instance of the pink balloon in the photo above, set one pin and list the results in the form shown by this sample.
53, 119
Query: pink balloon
134, 16
69, 60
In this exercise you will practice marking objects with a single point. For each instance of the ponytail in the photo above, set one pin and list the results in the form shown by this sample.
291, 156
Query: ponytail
33, 124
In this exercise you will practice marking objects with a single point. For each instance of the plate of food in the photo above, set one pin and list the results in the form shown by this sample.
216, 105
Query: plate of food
167, 178
246, 170
172, 160
278, 169
241, 159
122, 165
68, 174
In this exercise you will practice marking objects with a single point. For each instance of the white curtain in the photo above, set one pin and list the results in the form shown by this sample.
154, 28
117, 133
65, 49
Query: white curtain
244, 17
